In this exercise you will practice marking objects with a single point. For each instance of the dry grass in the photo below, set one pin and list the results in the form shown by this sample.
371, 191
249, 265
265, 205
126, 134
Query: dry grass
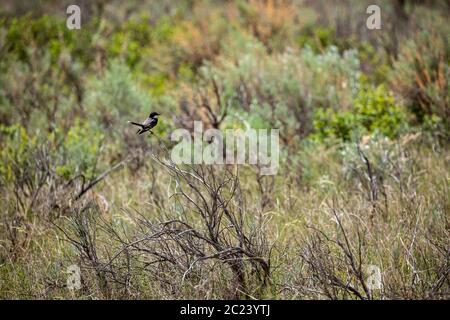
201, 232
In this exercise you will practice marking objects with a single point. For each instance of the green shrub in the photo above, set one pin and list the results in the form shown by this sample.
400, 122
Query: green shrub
16, 149
70, 153
388, 160
115, 95
25, 34
135, 40
282, 90
79, 150
374, 110
422, 71
317, 38
130, 41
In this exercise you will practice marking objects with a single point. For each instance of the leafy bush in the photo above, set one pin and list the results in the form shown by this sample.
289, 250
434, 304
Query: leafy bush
45, 33
317, 38
422, 71
269, 21
40, 93
79, 152
374, 110
199, 39
114, 96
16, 148
281, 90
134, 40
73, 153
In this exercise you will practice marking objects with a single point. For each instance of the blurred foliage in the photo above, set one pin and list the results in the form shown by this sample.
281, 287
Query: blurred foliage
421, 72
73, 153
46, 33
115, 96
317, 38
79, 151
279, 64
342, 96
134, 40
282, 90
373, 110
16, 149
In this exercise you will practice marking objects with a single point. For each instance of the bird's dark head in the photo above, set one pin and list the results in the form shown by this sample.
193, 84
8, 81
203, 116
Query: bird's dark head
154, 114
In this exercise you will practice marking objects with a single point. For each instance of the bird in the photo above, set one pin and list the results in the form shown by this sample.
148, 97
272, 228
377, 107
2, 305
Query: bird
148, 124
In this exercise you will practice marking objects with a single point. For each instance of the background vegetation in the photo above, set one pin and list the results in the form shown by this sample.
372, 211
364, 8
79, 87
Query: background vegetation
364, 168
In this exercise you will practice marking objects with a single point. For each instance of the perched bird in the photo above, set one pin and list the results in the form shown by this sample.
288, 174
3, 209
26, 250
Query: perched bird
148, 124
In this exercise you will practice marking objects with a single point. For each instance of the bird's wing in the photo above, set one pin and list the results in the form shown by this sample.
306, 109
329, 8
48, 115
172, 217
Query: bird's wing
150, 122
147, 122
